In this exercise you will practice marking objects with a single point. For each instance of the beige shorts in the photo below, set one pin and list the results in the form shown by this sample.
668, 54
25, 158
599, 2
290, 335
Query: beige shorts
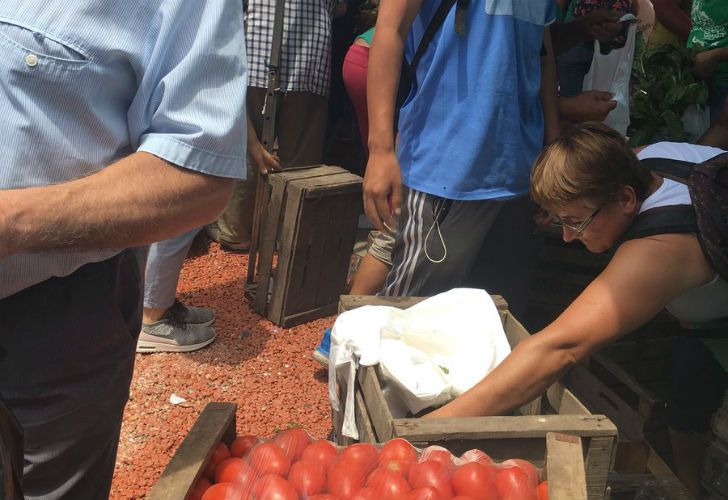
380, 246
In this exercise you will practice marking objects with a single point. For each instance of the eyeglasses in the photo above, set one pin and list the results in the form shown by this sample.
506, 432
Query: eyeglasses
581, 227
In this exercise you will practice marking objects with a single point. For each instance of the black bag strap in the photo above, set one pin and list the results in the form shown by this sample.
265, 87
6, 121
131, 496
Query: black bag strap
676, 170
435, 23
669, 219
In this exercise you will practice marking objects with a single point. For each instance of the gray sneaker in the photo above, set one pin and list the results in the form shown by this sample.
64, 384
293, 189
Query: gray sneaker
184, 329
192, 315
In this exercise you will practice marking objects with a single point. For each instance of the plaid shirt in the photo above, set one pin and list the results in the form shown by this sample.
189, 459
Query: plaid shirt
306, 50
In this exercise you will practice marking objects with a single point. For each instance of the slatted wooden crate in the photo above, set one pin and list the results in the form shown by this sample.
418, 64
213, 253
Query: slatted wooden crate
308, 229
216, 423
522, 435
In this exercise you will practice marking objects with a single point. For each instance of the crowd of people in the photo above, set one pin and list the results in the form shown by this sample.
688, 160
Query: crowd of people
132, 127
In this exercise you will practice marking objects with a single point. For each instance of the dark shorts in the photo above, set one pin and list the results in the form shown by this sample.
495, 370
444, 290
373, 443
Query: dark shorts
698, 385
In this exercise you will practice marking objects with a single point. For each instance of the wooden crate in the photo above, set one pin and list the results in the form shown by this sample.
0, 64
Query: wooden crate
216, 423
714, 476
523, 435
308, 229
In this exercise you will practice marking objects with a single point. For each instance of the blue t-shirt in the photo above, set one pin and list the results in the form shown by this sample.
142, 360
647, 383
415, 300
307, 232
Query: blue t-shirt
472, 124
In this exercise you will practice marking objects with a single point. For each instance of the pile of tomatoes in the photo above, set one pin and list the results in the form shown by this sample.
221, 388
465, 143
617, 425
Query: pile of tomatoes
292, 466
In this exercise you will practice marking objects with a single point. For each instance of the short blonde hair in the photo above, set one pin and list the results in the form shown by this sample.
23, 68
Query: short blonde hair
590, 161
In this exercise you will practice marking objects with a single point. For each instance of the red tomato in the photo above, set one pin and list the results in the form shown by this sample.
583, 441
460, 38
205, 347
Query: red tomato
274, 487
324, 496
221, 453
398, 455
268, 458
512, 484
473, 479
431, 473
242, 445
346, 477
199, 489
438, 454
225, 491
388, 484
425, 493
235, 470
322, 452
367, 493
476, 455
463, 497
308, 478
292, 441
543, 490
363, 453
527, 467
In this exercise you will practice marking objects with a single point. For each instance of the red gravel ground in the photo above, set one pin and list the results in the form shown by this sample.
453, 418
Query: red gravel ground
265, 369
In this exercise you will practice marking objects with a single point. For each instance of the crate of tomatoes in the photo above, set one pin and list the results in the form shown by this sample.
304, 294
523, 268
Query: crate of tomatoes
212, 464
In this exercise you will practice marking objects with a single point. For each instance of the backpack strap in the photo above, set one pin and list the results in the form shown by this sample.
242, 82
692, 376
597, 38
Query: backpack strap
676, 170
669, 219
437, 20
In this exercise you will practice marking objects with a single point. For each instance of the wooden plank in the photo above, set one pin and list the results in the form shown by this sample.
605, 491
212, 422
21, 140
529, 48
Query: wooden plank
601, 399
430, 429
310, 315
348, 302
715, 468
598, 462
216, 423
270, 225
564, 402
363, 423
565, 467
379, 413
647, 399
720, 424
665, 480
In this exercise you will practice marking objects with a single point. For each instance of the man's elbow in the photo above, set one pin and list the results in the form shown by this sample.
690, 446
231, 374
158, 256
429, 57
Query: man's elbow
216, 194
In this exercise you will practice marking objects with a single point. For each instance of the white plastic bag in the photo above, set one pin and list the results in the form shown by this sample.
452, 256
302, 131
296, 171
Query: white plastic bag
429, 353
696, 121
611, 73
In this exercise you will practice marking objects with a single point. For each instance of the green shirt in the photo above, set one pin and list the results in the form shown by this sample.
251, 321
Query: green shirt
367, 36
710, 31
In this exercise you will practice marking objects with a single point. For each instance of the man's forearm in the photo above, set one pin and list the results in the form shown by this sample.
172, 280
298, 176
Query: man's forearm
548, 90
136, 201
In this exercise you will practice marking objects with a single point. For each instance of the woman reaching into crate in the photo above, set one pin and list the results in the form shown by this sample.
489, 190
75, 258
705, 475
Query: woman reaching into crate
602, 194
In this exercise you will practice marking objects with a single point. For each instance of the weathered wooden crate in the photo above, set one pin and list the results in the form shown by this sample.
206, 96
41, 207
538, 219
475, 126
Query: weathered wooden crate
522, 435
216, 423
308, 228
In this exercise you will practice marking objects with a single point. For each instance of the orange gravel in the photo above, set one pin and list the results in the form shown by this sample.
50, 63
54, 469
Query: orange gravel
265, 369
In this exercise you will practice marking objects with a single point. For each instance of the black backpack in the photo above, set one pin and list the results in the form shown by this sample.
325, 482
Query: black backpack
708, 216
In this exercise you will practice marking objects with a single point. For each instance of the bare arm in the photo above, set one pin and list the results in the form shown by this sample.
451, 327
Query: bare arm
136, 201
672, 17
382, 179
602, 24
634, 287
548, 90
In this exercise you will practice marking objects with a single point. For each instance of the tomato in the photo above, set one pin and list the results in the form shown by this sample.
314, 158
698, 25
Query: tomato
425, 493
268, 458
308, 478
543, 490
463, 497
235, 470
473, 479
476, 455
292, 441
322, 452
512, 483
199, 489
388, 484
431, 473
346, 477
398, 455
324, 496
274, 487
242, 445
438, 454
367, 493
225, 491
221, 453
527, 467
363, 453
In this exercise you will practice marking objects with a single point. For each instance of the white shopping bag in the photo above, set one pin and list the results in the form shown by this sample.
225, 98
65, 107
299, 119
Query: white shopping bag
611, 73
429, 353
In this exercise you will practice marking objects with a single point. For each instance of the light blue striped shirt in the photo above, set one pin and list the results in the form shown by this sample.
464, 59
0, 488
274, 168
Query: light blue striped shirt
85, 83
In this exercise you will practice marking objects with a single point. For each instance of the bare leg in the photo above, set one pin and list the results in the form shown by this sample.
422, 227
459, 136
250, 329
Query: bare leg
369, 279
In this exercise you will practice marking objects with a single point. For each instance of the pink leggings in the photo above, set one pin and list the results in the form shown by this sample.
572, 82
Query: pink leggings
355, 80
